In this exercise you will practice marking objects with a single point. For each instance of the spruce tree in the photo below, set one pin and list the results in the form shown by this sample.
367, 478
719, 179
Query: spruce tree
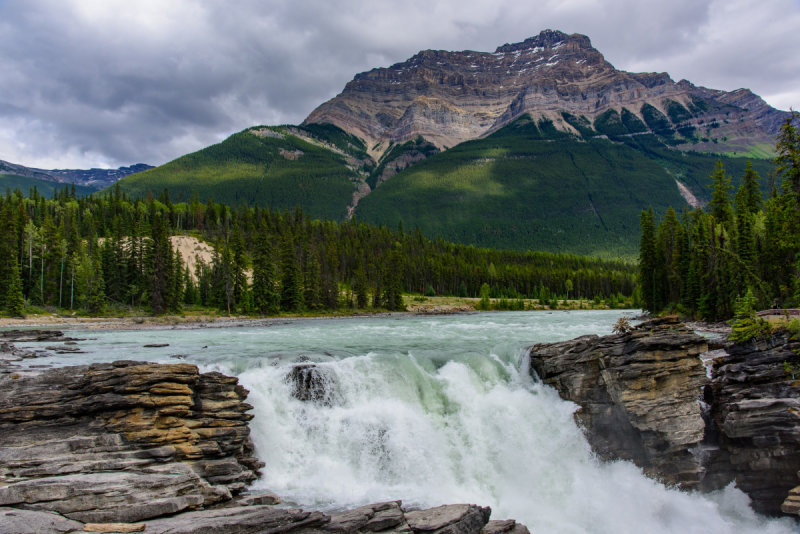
15, 302
721, 187
647, 261
291, 282
265, 295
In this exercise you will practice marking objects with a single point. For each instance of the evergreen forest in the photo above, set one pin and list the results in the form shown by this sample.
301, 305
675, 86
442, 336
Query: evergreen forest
111, 254
741, 248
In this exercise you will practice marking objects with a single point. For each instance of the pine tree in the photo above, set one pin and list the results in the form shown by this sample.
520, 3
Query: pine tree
748, 196
721, 187
648, 276
15, 302
360, 287
291, 283
265, 295
312, 280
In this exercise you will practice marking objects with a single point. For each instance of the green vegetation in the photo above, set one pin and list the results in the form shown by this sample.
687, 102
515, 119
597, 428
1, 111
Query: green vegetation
526, 188
261, 166
740, 255
109, 253
10, 182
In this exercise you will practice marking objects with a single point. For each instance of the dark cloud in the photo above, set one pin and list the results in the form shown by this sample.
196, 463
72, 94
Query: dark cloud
112, 82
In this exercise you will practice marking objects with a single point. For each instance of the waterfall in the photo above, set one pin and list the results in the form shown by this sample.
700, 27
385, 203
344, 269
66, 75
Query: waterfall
470, 430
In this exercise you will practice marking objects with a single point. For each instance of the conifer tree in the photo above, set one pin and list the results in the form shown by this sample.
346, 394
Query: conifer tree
265, 295
721, 187
360, 287
291, 282
15, 302
647, 262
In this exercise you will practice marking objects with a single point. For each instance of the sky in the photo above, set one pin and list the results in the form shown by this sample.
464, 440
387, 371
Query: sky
106, 83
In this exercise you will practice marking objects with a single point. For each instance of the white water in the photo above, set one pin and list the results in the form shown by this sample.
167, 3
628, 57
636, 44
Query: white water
433, 411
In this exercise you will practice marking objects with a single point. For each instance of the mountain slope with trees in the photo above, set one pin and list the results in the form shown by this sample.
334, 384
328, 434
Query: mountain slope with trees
743, 252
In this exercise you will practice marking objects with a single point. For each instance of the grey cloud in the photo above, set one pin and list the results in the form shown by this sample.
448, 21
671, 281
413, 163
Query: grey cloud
115, 82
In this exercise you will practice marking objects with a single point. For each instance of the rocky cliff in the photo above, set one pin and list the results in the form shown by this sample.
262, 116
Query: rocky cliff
699, 419
132, 446
451, 97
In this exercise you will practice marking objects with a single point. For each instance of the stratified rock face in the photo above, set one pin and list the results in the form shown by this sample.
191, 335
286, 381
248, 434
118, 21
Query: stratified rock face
756, 407
638, 395
451, 97
122, 442
645, 396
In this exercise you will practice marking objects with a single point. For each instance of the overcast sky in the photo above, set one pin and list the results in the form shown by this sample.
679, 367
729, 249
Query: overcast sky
104, 83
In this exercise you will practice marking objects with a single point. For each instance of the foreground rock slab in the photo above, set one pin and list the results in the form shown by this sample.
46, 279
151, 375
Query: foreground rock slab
123, 442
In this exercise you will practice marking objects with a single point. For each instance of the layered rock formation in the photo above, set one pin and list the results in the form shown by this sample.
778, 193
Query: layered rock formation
124, 441
638, 394
647, 396
451, 97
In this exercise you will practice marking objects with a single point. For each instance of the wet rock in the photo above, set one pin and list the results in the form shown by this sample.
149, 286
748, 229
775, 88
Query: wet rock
638, 394
249, 519
449, 519
370, 518
30, 336
644, 397
313, 383
755, 407
504, 526
258, 499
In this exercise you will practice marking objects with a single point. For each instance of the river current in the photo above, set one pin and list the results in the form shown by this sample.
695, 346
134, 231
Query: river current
431, 410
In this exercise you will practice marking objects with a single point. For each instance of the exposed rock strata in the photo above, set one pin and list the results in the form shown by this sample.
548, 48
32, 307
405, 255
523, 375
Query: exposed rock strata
451, 97
756, 409
123, 441
638, 394
645, 396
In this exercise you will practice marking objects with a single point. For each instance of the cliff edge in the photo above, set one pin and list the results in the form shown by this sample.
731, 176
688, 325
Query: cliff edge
688, 416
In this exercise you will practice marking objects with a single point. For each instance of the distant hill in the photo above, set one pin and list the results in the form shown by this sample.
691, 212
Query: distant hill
45, 188
318, 168
539, 145
87, 179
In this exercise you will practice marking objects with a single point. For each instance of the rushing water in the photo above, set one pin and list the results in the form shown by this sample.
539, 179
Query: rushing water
433, 410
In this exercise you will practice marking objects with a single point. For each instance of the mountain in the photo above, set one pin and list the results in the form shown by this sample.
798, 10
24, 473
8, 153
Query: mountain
89, 179
317, 167
539, 145
452, 97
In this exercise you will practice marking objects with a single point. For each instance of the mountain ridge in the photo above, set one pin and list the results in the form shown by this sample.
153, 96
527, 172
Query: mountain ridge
452, 97
93, 178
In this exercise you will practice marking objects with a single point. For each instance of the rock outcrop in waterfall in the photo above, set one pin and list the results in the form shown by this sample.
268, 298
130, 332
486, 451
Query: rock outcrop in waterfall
687, 416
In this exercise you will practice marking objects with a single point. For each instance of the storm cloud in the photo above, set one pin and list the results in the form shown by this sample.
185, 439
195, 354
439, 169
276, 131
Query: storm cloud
108, 82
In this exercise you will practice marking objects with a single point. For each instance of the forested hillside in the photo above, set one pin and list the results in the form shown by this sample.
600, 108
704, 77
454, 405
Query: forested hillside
743, 249
315, 168
532, 186
51, 256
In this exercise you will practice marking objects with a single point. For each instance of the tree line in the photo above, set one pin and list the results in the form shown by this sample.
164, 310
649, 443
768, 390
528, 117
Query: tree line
108, 252
741, 247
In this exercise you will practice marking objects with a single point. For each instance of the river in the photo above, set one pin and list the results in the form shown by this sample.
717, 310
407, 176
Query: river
431, 410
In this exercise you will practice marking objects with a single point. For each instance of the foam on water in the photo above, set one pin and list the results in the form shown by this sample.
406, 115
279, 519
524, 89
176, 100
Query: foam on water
433, 411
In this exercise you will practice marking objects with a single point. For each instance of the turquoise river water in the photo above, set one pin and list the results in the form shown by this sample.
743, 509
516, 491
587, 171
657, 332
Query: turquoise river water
431, 410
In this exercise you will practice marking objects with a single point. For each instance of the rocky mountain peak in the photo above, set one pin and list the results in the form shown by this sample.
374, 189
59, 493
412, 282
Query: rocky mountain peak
546, 39
450, 97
